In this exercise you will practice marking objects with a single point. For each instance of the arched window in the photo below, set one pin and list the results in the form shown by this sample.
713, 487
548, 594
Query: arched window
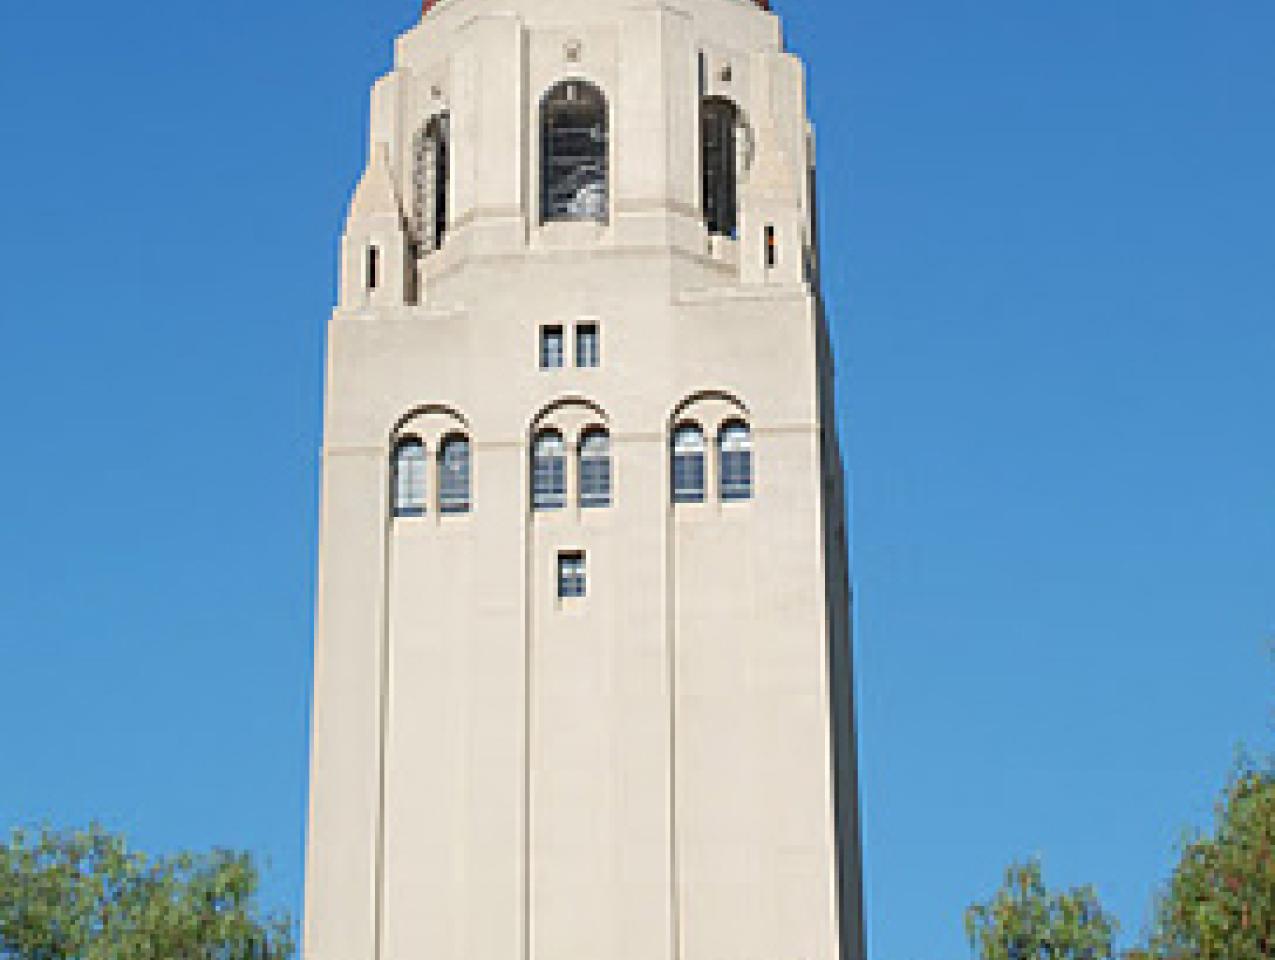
688, 464
574, 183
453, 475
410, 467
595, 469
719, 121
735, 462
549, 471
429, 182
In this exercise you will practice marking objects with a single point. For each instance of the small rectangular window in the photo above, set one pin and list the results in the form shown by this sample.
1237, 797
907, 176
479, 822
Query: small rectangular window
551, 348
772, 247
373, 267
588, 347
571, 575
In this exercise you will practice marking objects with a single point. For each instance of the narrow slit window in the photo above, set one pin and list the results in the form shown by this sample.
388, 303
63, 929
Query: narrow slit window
772, 247
588, 347
373, 267
551, 348
572, 576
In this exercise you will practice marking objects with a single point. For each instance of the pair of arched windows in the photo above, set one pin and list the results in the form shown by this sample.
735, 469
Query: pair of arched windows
549, 470
411, 464
734, 463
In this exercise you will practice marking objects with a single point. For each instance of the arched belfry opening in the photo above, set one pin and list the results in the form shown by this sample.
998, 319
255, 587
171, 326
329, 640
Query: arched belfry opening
719, 165
429, 184
574, 150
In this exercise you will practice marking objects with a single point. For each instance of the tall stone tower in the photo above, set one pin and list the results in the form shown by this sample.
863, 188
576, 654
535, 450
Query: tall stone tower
582, 667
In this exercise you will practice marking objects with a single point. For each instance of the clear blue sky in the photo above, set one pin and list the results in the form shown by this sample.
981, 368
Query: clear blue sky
1050, 243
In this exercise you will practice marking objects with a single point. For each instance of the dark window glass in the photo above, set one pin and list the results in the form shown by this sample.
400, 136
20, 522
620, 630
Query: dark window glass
572, 582
595, 469
735, 462
453, 476
588, 347
409, 468
549, 472
551, 348
688, 464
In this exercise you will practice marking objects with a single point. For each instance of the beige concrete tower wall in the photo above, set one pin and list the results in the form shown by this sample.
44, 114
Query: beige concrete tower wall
664, 768
754, 813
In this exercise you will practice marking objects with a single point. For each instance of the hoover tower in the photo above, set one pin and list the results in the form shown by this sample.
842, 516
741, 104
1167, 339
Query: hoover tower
582, 663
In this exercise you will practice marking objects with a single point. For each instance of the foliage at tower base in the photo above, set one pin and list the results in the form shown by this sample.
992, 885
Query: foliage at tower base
1025, 921
86, 896
1220, 903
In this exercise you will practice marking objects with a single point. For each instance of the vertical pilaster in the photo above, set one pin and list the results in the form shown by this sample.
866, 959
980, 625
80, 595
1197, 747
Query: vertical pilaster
655, 120
343, 866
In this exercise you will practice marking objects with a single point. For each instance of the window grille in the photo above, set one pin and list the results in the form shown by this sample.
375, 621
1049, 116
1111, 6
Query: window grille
551, 348
574, 142
572, 582
688, 464
410, 468
549, 472
453, 476
430, 183
588, 347
595, 469
735, 462
719, 161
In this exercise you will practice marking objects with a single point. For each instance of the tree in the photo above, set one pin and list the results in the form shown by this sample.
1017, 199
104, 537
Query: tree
1025, 921
86, 896
1220, 902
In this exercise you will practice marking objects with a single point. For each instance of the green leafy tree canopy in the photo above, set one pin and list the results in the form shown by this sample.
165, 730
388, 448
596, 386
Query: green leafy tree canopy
1220, 901
1025, 921
86, 896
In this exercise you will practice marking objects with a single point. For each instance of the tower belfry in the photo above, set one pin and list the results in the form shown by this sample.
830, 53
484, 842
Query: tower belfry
583, 683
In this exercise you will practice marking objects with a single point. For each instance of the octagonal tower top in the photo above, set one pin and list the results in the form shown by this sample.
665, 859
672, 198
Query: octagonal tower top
427, 5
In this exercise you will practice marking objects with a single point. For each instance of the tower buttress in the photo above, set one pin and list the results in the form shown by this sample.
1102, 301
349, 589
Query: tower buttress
374, 247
